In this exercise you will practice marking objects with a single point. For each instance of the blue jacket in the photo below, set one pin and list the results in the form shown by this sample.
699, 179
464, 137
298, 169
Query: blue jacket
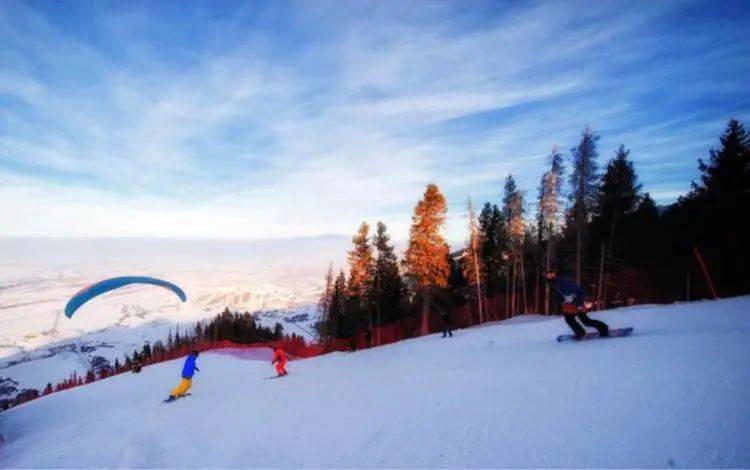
569, 291
188, 370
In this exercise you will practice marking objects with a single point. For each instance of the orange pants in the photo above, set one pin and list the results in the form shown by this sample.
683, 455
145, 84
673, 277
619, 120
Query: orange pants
280, 368
182, 389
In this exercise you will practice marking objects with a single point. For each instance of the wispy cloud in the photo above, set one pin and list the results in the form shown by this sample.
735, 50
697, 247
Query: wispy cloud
294, 119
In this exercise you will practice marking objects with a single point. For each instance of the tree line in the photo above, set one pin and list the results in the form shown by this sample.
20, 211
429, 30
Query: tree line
601, 229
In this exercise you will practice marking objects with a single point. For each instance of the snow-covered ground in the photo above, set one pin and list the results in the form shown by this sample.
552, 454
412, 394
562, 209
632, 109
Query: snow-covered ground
506, 395
279, 280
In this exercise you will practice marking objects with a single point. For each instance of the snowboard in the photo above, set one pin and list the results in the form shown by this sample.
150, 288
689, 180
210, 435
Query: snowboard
613, 333
171, 399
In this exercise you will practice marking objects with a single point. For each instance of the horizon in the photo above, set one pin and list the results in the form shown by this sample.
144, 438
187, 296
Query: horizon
277, 120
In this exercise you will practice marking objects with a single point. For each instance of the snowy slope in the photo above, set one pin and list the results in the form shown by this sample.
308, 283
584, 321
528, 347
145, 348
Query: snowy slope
279, 280
674, 394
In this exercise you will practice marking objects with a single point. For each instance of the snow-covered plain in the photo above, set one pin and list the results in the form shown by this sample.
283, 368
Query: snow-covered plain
505, 395
279, 280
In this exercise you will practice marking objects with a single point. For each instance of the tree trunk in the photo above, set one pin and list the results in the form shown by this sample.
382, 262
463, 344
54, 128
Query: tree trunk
579, 238
507, 290
549, 266
513, 289
425, 311
523, 287
601, 277
479, 287
379, 322
536, 290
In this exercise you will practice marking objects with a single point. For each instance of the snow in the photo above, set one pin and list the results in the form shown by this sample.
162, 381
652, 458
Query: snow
503, 395
280, 281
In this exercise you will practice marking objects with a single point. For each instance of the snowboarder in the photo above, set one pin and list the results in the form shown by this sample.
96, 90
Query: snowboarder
188, 370
279, 360
575, 305
445, 316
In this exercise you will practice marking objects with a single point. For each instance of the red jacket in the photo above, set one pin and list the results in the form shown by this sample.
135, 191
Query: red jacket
279, 356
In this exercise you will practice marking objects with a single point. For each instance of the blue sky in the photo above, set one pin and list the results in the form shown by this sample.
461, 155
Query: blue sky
287, 119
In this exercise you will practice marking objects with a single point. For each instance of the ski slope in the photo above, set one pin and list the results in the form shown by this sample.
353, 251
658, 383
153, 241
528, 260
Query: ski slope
278, 280
503, 395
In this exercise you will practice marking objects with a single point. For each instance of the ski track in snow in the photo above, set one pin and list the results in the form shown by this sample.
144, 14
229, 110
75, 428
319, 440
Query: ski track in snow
502, 395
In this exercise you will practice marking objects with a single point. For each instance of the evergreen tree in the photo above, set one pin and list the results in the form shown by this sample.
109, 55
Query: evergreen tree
640, 229
619, 194
583, 181
513, 208
278, 331
493, 234
361, 276
146, 351
337, 307
324, 304
548, 215
426, 256
472, 265
389, 287
361, 264
720, 203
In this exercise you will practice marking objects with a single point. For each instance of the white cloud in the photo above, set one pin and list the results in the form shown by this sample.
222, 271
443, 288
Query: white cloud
245, 139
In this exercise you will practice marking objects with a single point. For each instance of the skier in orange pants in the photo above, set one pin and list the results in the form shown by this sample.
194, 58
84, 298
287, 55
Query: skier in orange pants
279, 360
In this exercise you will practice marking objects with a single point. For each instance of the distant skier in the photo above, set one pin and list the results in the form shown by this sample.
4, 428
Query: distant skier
445, 316
279, 360
575, 306
188, 370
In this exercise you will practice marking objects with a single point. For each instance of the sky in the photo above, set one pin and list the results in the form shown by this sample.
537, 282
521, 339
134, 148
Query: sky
274, 119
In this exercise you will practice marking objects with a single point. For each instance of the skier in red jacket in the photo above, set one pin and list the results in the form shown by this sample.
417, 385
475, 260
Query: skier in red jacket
279, 360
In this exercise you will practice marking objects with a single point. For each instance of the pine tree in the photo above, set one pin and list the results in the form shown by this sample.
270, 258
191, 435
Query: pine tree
325, 301
361, 279
513, 208
583, 181
721, 202
727, 173
389, 287
549, 212
493, 234
337, 307
361, 264
472, 262
619, 193
426, 257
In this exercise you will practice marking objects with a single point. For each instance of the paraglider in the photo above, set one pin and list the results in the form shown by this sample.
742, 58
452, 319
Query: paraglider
107, 285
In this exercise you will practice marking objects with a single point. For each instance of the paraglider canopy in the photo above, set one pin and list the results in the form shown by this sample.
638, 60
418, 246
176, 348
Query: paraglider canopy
107, 285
